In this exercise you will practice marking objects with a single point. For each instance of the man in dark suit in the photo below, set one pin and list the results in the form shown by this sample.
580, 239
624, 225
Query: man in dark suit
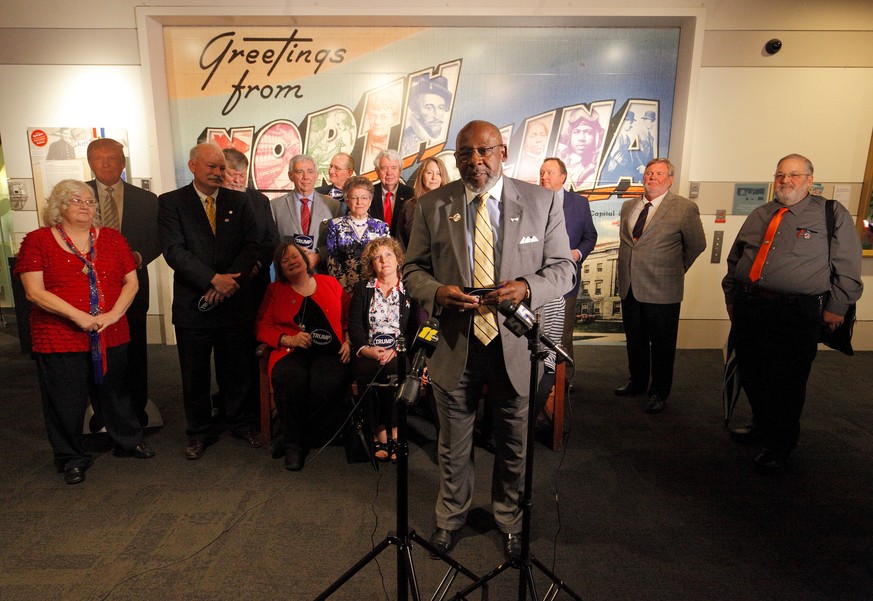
236, 178
484, 230
389, 193
134, 212
582, 236
342, 167
292, 209
660, 236
210, 239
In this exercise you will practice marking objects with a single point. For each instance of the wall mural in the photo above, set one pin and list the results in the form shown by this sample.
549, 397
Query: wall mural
601, 99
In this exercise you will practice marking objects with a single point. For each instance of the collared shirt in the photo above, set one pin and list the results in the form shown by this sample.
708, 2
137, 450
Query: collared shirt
203, 196
495, 214
117, 196
298, 204
797, 262
638, 208
384, 313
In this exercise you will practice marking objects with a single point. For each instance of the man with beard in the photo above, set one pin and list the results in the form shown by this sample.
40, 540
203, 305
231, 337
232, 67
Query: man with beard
485, 232
784, 280
429, 101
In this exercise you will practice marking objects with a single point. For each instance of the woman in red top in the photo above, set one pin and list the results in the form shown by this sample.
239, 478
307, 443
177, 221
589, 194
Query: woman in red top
81, 279
304, 317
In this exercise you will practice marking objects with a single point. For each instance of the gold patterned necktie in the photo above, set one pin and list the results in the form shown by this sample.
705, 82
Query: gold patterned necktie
210, 212
485, 318
110, 211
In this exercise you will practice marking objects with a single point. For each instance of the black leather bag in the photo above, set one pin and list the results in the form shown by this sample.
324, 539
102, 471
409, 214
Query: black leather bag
839, 339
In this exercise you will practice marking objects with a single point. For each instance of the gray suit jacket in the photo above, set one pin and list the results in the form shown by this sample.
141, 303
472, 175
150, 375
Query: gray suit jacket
438, 255
655, 265
324, 208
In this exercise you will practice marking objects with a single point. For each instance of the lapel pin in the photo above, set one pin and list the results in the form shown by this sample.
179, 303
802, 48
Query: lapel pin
456, 217
516, 218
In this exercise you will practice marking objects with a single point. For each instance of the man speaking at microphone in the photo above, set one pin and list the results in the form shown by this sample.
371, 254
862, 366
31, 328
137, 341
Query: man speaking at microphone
477, 242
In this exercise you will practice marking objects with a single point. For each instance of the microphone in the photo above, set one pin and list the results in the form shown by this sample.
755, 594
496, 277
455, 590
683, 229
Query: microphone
423, 346
520, 320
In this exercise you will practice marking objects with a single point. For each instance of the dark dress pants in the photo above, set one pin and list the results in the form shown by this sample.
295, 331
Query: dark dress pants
377, 401
137, 361
233, 348
309, 389
651, 330
66, 381
776, 342
457, 416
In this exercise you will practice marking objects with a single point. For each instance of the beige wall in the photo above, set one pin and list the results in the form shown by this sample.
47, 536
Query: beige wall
744, 109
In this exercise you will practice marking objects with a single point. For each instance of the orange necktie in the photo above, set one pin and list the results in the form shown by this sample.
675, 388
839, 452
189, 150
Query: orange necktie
761, 257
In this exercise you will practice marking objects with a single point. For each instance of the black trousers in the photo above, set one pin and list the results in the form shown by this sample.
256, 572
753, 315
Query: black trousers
66, 381
137, 361
377, 401
309, 390
776, 342
651, 330
233, 347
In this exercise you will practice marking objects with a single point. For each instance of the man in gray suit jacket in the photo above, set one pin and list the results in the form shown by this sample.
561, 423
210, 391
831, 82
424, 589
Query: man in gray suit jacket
532, 264
134, 213
660, 237
288, 209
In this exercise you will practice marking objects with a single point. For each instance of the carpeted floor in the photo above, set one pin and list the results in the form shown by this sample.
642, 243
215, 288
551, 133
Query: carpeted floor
637, 507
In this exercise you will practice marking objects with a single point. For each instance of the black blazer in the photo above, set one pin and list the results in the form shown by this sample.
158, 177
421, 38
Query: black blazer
139, 226
196, 255
359, 322
404, 193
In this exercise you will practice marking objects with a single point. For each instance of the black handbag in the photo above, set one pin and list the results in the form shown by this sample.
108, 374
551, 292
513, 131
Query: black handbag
839, 339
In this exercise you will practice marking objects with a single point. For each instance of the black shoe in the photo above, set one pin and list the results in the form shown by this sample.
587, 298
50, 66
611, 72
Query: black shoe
252, 438
655, 404
512, 547
141, 451
629, 389
197, 446
293, 461
443, 541
769, 462
746, 434
74, 475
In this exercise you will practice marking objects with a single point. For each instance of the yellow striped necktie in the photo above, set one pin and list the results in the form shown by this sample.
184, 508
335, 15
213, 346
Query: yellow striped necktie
485, 319
210, 212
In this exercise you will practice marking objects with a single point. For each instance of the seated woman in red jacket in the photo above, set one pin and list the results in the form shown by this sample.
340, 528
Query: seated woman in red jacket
381, 312
304, 318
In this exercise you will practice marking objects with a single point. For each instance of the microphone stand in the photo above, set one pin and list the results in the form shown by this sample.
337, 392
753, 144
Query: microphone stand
527, 561
403, 537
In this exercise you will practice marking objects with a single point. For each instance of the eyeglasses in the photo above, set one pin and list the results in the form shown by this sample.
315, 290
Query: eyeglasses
89, 202
780, 175
465, 154
359, 198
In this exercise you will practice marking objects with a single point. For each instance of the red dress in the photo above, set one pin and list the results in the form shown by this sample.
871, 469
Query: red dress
63, 276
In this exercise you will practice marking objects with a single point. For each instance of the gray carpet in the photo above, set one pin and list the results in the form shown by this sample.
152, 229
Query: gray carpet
638, 507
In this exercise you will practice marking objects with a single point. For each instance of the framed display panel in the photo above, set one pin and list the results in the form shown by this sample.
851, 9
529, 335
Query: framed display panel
865, 207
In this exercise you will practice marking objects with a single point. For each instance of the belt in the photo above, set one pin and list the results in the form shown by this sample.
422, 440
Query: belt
756, 292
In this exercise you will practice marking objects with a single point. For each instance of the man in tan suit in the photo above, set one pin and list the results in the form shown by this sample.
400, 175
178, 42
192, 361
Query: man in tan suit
660, 237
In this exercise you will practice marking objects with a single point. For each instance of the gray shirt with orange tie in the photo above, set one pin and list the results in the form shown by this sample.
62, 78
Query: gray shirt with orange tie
797, 262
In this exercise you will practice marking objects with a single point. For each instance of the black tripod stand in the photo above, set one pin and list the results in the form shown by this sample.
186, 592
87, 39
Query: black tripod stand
403, 538
521, 321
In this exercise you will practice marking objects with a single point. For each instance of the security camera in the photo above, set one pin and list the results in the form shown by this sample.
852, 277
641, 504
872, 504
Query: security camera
773, 46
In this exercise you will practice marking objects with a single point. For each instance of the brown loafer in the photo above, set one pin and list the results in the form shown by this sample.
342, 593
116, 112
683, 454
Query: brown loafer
196, 448
251, 438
